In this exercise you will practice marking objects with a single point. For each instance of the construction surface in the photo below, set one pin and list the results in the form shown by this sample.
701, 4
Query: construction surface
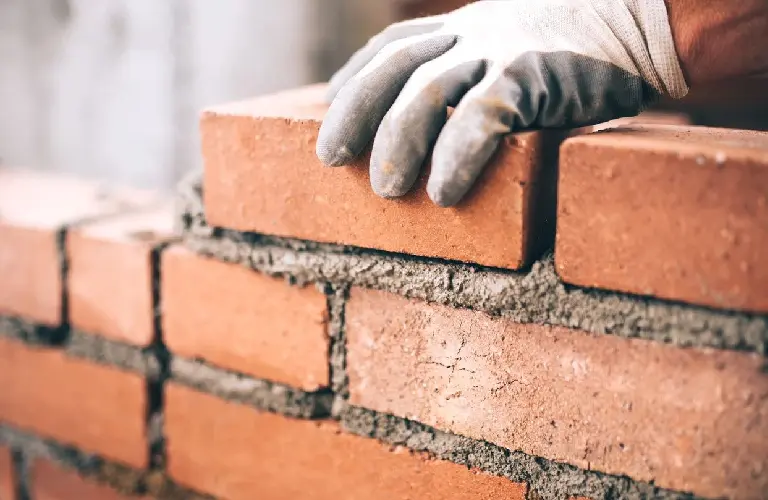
262, 343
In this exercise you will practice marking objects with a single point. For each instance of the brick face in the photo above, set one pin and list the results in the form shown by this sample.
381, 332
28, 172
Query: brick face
110, 274
29, 264
261, 174
244, 321
675, 212
33, 207
50, 482
91, 406
688, 419
7, 486
236, 452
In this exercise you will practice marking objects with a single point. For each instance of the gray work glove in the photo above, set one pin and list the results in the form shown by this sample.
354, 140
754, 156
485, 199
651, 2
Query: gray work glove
505, 65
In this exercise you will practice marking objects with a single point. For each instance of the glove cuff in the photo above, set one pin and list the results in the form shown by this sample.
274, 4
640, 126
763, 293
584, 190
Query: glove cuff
644, 29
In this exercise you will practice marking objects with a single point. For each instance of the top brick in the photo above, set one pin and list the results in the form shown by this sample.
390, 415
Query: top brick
679, 213
262, 175
34, 207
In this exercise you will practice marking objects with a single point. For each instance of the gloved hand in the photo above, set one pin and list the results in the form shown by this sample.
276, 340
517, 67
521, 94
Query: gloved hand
505, 65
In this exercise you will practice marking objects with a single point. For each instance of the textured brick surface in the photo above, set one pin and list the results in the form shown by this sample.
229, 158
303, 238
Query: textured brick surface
7, 487
688, 419
33, 207
91, 406
244, 321
237, 452
50, 482
261, 174
110, 274
646, 118
675, 212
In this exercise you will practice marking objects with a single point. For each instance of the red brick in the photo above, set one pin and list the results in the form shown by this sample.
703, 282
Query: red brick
688, 419
94, 407
33, 206
244, 321
675, 212
50, 482
261, 174
236, 452
645, 118
7, 483
110, 274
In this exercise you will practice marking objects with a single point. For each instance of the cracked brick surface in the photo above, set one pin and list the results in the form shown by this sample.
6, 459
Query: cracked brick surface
686, 419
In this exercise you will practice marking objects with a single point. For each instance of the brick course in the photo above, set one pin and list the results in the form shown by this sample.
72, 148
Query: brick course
110, 274
244, 321
237, 452
51, 482
262, 175
685, 418
7, 479
98, 408
675, 212
33, 208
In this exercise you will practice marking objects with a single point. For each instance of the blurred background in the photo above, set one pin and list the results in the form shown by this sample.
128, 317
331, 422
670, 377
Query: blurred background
111, 89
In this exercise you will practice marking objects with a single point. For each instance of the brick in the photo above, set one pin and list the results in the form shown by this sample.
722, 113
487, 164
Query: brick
34, 206
110, 274
237, 452
7, 482
679, 213
645, 118
100, 409
50, 482
244, 321
687, 419
262, 175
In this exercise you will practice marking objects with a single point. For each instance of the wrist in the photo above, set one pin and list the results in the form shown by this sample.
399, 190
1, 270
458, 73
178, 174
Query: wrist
720, 39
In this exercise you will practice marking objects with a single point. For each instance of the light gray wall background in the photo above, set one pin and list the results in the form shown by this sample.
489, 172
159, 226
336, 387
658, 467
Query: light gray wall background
111, 89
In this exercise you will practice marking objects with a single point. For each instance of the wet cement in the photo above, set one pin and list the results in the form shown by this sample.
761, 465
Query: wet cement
534, 296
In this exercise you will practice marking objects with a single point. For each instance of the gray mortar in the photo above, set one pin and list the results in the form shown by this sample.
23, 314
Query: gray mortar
243, 389
338, 348
536, 296
547, 480
123, 479
109, 352
30, 333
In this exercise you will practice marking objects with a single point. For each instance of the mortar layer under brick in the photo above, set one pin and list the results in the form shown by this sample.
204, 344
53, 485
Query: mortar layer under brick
688, 419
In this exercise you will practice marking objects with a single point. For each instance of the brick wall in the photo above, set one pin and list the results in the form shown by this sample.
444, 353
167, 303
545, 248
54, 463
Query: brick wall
277, 331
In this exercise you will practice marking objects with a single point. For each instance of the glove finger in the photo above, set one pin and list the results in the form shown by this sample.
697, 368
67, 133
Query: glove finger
492, 109
365, 54
410, 128
355, 114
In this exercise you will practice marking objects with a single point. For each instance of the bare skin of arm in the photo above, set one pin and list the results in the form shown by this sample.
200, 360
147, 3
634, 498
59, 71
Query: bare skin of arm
720, 39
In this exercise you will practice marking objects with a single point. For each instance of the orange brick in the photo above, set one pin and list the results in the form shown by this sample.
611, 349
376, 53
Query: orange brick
73, 401
262, 175
244, 321
7, 483
675, 212
110, 274
645, 118
236, 452
50, 482
688, 419
33, 207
